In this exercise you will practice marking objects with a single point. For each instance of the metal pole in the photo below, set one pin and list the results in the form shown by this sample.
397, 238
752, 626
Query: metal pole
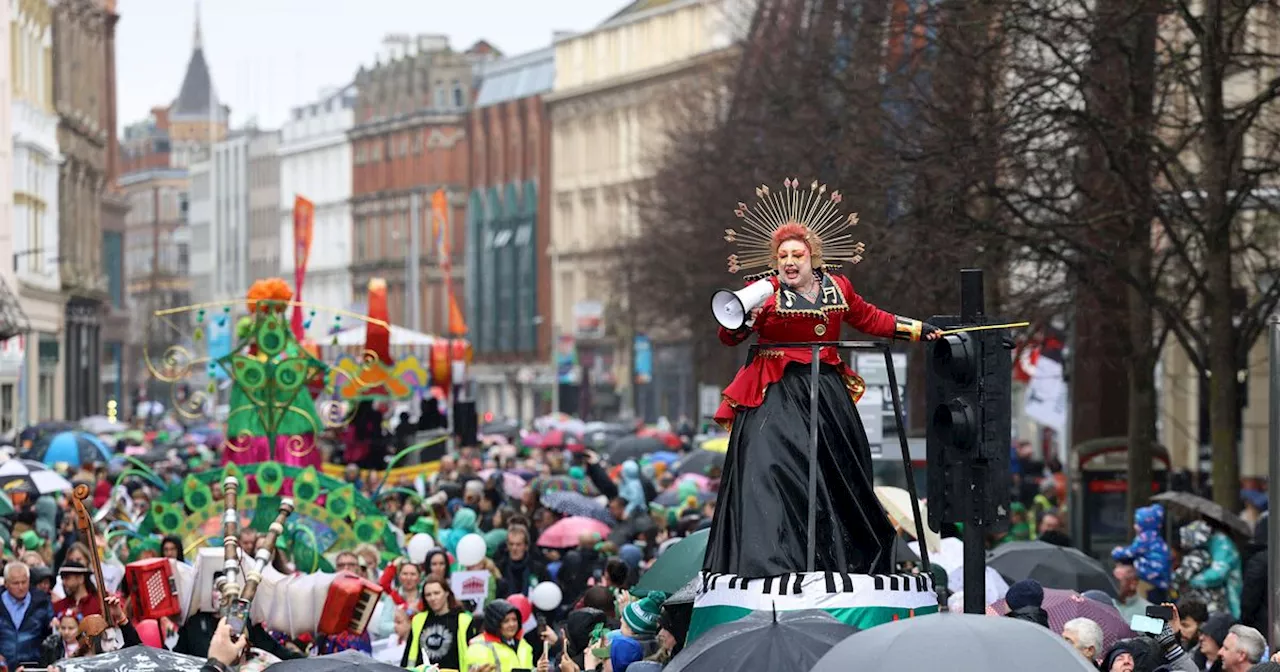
412, 282
972, 309
1273, 482
555, 360
813, 458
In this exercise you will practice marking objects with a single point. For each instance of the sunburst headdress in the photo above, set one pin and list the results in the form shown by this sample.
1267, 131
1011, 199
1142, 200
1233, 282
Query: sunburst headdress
810, 212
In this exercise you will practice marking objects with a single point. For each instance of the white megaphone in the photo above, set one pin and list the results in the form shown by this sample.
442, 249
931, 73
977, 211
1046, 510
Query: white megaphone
732, 308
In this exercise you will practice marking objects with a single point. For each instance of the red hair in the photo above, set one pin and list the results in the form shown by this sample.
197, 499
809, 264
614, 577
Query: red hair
800, 232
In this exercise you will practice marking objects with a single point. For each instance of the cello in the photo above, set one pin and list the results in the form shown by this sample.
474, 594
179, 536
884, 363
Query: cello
92, 625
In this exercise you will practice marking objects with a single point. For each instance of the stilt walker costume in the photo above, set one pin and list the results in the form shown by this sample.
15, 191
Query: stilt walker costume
757, 553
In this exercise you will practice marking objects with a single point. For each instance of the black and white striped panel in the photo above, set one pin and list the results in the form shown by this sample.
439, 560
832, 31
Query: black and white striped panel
793, 584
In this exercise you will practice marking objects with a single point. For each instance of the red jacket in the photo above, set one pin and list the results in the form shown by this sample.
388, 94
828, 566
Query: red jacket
786, 317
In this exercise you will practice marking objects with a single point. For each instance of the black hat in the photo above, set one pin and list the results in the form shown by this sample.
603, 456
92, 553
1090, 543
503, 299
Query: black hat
39, 574
1217, 627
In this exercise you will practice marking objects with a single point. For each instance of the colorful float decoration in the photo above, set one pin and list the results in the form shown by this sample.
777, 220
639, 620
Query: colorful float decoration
375, 375
329, 514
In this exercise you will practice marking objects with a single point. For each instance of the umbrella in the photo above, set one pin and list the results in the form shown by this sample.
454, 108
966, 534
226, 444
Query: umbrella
74, 448
957, 643
702, 482
1209, 509
566, 532
503, 427
31, 477
6, 505
672, 497
338, 662
1064, 605
132, 658
902, 552
565, 483
634, 448
678, 565
897, 503
668, 439
1053, 566
720, 444
765, 641
700, 462
665, 456
512, 485
631, 528
574, 504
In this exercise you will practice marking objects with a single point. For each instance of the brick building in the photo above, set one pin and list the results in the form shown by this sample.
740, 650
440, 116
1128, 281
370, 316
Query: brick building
508, 231
410, 137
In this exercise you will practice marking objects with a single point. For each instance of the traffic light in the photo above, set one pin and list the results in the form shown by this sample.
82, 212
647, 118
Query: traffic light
968, 402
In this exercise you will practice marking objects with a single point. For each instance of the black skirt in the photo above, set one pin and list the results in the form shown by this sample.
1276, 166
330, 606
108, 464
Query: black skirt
762, 513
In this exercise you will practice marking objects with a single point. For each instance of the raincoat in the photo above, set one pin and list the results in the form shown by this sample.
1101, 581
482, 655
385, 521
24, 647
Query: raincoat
1149, 552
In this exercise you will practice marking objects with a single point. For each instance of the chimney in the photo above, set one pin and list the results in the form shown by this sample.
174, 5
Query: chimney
430, 42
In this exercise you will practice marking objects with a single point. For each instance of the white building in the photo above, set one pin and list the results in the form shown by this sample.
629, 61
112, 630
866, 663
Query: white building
199, 224
12, 319
315, 163
35, 208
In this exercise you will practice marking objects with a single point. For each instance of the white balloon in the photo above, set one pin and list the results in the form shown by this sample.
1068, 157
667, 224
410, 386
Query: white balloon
471, 550
546, 596
419, 545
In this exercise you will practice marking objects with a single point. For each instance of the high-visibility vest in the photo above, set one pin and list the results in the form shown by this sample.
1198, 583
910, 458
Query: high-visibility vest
415, 637
503, 658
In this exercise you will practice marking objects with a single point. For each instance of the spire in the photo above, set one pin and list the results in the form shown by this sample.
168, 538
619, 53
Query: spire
196, 42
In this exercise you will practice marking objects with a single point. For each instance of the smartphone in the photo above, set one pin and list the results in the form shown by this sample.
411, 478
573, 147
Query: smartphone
1146, 624
1160, 611
238, 618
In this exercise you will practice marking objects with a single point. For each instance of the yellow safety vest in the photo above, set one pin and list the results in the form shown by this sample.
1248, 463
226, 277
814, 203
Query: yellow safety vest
415, 637
503, 658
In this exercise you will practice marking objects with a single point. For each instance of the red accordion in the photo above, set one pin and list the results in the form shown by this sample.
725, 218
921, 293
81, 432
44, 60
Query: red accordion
349, 605
153, 587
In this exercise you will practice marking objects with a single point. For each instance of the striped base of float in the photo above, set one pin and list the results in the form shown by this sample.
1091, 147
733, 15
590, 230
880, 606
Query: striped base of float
860, 600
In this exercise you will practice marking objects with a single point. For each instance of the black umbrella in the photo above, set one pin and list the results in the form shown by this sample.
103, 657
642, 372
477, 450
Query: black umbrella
1053, 566
132, 658
902, 552
955, 643
633, 448
629, 529
671, 497
576, 504
763, 641
507, 428
700, 462
1212, 510
338, 662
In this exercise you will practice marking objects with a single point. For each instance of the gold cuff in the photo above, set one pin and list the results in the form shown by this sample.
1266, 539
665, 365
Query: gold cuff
907, 329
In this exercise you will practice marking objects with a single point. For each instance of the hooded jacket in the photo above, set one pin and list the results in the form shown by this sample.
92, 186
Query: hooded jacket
578, 628
490, 647
1253, 595
1149, 552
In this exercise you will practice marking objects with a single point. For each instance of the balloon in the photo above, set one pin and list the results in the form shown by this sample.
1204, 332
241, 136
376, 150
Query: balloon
419, 544
546, 595
471, 549
522, 603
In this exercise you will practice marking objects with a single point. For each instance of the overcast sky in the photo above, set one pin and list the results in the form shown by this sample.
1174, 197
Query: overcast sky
267, 56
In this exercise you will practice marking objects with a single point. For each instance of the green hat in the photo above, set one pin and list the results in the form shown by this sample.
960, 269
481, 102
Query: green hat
31, 541
493, 540
424, 525
576, 473
641, 616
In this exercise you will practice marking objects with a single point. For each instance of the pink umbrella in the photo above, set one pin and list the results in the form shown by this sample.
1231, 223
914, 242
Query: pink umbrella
702, 482
566, 532
1064, 605
512, 485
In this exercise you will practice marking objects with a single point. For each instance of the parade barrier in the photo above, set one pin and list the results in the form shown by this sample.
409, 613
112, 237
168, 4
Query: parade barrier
859, 600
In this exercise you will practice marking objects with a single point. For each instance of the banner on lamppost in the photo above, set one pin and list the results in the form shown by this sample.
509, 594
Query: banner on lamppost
304, 224
643, 360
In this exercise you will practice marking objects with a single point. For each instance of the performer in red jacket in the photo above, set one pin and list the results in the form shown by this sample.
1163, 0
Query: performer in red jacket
761, 523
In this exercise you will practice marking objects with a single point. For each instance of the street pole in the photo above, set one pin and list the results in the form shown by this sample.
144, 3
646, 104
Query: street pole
412, 283
1273, 482
555, 360
972, 310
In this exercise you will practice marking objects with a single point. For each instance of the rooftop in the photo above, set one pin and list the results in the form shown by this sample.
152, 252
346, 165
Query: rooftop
197, 98
517, 77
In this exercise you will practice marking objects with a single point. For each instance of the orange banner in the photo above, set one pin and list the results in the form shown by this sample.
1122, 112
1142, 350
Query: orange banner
304, 224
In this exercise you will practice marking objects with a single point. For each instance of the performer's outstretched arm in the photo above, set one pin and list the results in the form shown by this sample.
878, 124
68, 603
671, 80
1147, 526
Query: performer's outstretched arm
870, 320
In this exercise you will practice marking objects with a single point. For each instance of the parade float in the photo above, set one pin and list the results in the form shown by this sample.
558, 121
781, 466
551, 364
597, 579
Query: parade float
279, 398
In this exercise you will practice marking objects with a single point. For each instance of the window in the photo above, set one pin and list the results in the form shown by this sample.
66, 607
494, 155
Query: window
6, 408
441, 95
457, 94
112, 241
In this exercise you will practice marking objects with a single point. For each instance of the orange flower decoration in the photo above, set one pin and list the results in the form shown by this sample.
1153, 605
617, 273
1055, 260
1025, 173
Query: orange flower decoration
270, 289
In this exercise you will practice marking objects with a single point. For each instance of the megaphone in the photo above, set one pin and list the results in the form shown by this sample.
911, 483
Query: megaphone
732, 308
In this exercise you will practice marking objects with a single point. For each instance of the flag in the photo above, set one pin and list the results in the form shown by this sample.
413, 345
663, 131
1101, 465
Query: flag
457, 325
304, 221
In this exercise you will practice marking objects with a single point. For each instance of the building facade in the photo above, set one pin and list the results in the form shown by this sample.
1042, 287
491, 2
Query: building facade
115, 207
263, 182
606, 120
13, 321
508, 229
315, 163
79, 31
154, 183
37, 252
200, 221
410, 137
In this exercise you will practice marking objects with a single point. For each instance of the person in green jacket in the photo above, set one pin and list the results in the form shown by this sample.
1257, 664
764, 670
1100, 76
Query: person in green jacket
439, 634
500, 648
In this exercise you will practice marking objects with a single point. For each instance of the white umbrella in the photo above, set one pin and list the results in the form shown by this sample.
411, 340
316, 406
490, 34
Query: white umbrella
897, 503
101, 424
31, 475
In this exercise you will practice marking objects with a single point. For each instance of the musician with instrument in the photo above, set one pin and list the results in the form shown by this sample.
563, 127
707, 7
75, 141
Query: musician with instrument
81, 593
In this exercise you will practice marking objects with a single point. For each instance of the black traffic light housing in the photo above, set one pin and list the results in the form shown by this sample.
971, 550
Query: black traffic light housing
968, 397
